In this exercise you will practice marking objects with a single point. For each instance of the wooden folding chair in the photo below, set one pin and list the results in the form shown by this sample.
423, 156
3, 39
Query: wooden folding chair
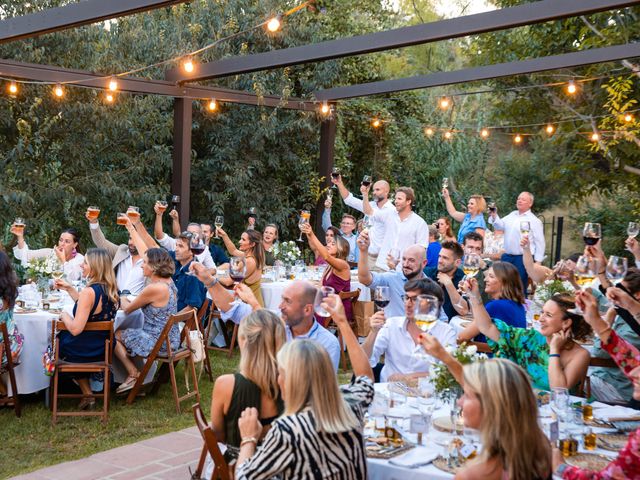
94, 367
230, 341
5, 347
201, 314
584, 390
221, 469
170, 358
351, 297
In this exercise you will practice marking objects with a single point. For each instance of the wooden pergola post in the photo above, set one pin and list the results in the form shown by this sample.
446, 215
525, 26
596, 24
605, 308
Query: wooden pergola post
181, 177
327, 150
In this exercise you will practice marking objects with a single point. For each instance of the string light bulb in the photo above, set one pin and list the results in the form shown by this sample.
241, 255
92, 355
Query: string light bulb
187, 65
628, 118
484, 133
550, 129
113, 84
109, 98
595, 137
444, 103
572, 88
274, 24
58, 91
448, 135
376, 123
517, 139
212, 105
428, 131
325, 109
13, 88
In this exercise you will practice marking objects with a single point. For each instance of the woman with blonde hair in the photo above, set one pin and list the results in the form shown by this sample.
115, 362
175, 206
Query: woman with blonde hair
98, 302
269, 239
260, 336
337, 275
320, 434
250, 247
473, 220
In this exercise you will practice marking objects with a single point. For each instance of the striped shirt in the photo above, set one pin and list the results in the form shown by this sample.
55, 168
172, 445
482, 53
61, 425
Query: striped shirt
294, 449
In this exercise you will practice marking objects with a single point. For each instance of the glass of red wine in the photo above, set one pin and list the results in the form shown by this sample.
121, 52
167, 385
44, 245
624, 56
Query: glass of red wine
366, 181
175, 201
237, 269
591, 233
321, 295
197, 247
381, 297
335, 174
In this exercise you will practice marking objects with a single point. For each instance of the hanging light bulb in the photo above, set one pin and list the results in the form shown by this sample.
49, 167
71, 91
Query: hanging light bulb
325, 109
274, 24
572, 88
595, 137
188, 65
517, 139
484, 133
58, 91
448, 135
376, 123
13, 88
212, 105
550, 129
428, 131
113, 84
444, 103
628, 118
109, 98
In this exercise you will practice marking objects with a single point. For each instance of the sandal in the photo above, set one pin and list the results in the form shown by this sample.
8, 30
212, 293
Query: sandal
87, 403
127, 385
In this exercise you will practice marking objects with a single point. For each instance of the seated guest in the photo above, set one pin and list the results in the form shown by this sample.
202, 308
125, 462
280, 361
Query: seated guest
472, 221
627, 357
397, 337
502, 283
433, 249
269, 239
474, 243
448, 274
158, 300
66, 251
347, 229
191, 292
8, 295
220, 258
338, 274
320, 433
126, 260
98, 302
552, 357
443, 224
260, 337
498, 402
250, 248
169, 243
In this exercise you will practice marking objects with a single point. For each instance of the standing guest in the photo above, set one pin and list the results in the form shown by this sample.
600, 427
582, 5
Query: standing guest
338, 274
347, 229
473, 220
397, 337
379, 202
511, 225
320, 434
250, 247
66, 251
402, 227
191, 292
443, 224
448, 274
503, 285
552, 357
8, 295
269, 239
98, 302
218, 256
158, 300
433, 249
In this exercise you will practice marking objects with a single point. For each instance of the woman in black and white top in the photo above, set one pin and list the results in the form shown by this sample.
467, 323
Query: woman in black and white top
319, 436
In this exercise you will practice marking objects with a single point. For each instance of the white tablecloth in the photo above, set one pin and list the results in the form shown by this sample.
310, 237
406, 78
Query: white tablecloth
272, 292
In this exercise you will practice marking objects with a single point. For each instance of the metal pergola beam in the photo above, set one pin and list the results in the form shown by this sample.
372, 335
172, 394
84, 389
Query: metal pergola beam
554, 62
75, 15
48, 73
528, 14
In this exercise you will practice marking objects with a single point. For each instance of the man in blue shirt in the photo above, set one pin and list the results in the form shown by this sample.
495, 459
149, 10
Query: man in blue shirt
448, 274
191, 291
433, 249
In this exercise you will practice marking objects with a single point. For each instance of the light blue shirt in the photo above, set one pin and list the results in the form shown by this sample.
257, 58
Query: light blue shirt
470, 224
324, 337
354, 252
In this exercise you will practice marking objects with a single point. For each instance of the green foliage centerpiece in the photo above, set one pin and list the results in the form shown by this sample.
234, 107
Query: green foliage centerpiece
441, 377
286, 252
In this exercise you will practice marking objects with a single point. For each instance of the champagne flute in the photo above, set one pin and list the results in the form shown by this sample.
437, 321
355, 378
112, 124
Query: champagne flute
321, 294
633, 229
218, 223
335, 173
366, 180
304, 220
591, 233
381, 297
616, 268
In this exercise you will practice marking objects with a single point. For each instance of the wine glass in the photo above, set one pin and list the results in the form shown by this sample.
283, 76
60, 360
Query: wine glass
585, 272
330, 195
304, 220
237, 269
591, 233
162, 205
445, 183
218, 223
321, 294
93, 212
381, 297
366, 180
616, 268
560, 403
633, 229
525, 228
133, 213
18, 225
470, 267
175, 201
197, 247
335, 173
426, 309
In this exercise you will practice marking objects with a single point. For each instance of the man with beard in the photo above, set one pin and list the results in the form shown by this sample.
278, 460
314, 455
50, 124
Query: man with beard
127, 262
448, 274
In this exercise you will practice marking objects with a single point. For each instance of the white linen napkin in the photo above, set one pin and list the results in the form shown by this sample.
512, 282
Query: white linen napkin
616, 411
414, 458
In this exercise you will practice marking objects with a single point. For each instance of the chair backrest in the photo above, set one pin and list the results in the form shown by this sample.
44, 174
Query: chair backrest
5, 345
103, 326
352, 296
221, 469
602, 362
186, 316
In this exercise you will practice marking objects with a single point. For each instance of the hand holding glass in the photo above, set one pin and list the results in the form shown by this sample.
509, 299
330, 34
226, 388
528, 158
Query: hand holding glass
304, 220
321, 296
218, 223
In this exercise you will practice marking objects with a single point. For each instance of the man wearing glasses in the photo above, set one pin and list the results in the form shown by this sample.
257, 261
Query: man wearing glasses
347, 229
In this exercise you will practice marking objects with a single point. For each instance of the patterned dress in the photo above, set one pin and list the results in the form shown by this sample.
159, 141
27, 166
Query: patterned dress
627, 463
15, 338
140, 341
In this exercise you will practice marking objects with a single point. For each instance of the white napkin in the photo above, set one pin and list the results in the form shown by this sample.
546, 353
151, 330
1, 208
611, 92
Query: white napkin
609, 412
414, 458
403, 411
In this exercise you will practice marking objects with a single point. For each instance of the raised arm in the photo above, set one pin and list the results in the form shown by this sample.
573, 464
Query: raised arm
145, 236
481, 317
140, 244
175, 222
364, 274
434, 348
231, 248
453, 213
338, 264
157, 225
344, 193
98, 237
537, 273
367, 209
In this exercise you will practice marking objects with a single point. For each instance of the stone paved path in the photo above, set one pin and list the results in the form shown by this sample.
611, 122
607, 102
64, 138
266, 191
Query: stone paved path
165, 457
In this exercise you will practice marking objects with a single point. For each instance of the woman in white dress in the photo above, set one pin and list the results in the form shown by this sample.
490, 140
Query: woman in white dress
66, 251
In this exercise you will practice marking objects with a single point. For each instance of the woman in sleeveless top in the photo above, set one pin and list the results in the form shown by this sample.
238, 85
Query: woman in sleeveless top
250, 247
269, 239
338, 274
260, 336
98, 302
158, 301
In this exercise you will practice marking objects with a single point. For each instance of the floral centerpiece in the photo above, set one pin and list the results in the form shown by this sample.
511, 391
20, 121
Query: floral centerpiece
40, 270
441, 377
286, 252
549, 288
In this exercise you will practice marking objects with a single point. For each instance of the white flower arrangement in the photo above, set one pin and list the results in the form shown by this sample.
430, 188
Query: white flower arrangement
286, 252
549, 288
42, 268
441, 377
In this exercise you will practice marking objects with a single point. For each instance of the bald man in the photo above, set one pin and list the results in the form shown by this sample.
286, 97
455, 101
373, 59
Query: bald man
380, 202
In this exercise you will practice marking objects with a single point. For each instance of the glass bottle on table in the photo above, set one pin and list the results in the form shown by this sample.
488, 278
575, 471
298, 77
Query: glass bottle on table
305, 215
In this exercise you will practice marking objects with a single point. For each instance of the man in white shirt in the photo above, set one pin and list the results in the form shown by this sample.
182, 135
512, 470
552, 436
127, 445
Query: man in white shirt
402, 227
398, 337
380, 202
511, 225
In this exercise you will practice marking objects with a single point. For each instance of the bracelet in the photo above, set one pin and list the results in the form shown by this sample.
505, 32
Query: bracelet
212, 283
556, 355
253, 440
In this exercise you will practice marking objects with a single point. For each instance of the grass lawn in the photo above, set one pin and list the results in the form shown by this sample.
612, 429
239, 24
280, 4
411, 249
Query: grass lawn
31, 442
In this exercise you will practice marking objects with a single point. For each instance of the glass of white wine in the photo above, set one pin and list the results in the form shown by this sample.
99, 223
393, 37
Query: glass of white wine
585, 273
616, 268
426, 310
525, 228
633, 229
218, 223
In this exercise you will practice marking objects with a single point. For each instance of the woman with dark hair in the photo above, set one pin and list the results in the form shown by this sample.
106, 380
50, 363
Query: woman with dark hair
67, 251
158, 300
502, 283
269, 239
250, 247
8, 294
